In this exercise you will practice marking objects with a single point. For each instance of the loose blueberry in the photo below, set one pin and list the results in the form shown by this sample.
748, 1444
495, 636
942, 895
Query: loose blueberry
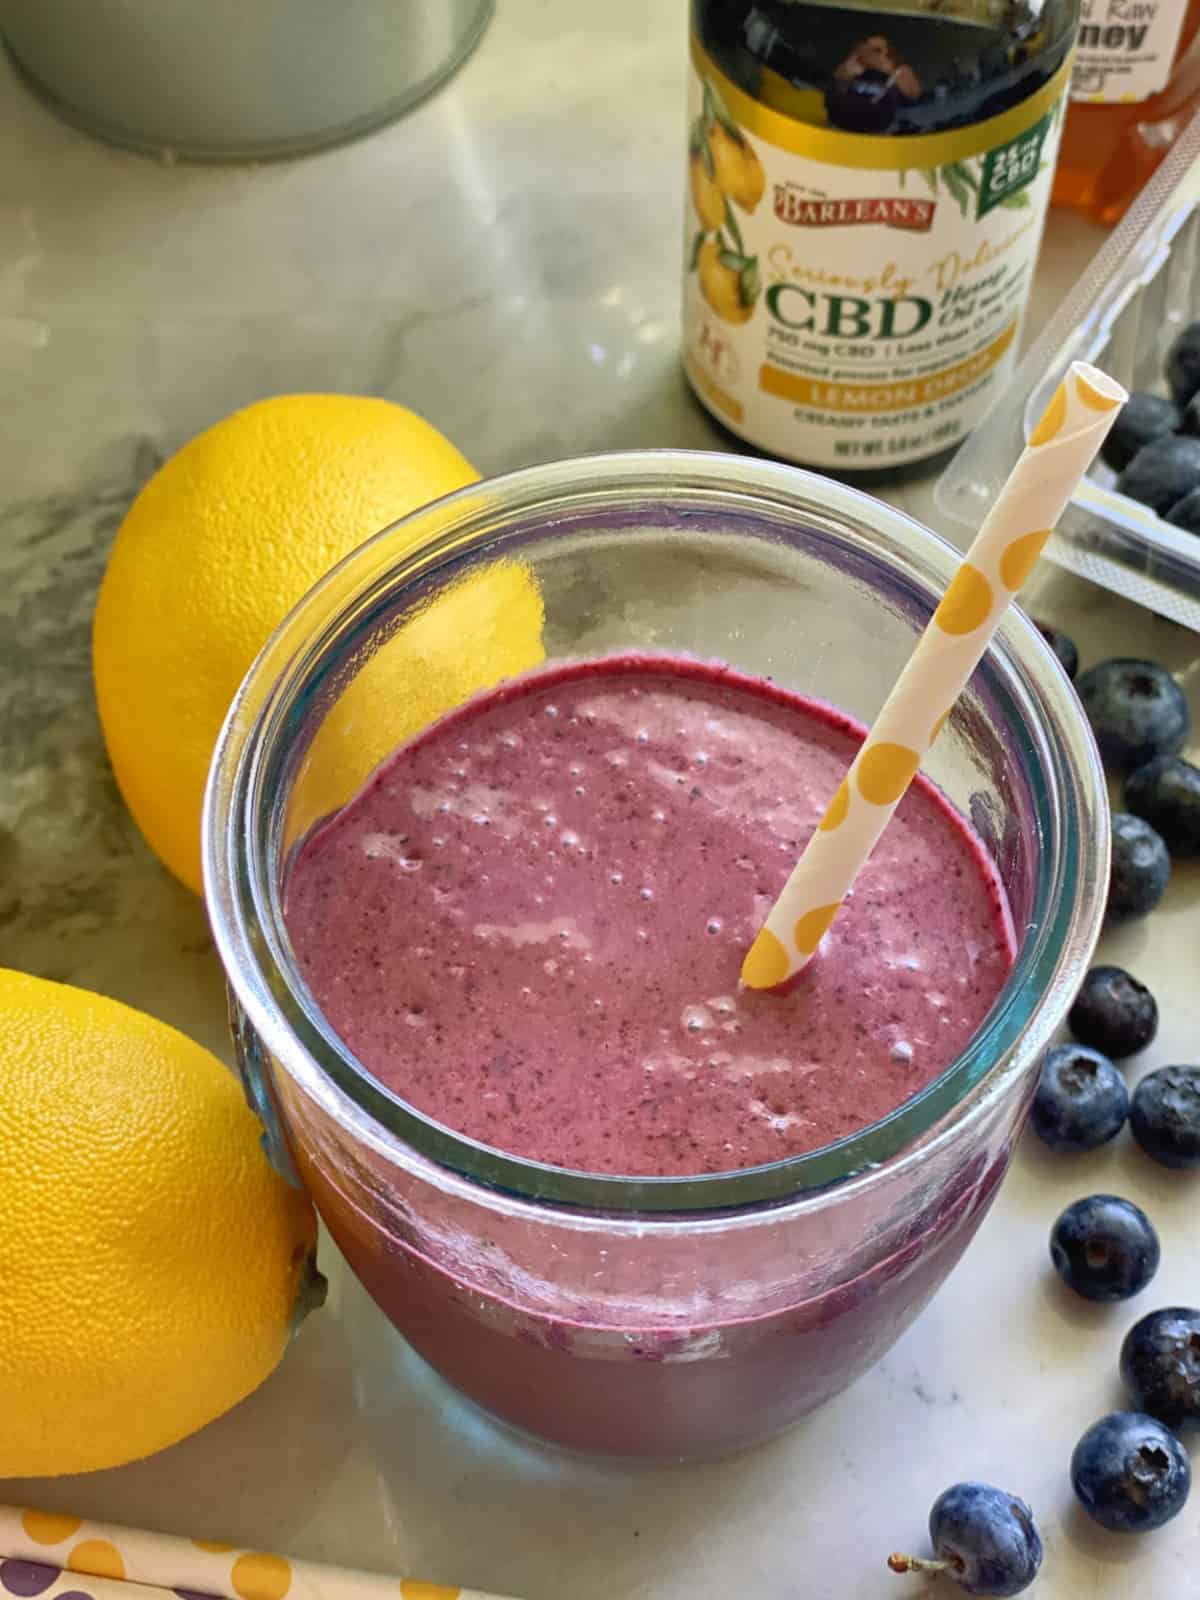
1162, 472
983, 1538
1113, 1012
1063, 647
1136, 709
1165, 1116
1081, 1100
1130, 1473
1185, 513
1160, 1364
1183, 364
1143, 418
1140, 867
1166, 793
1104, 1248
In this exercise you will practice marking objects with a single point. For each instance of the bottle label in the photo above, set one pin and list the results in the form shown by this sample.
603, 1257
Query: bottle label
1126, 49
854, 301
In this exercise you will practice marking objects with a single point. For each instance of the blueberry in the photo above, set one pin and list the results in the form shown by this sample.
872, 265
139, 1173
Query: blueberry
1166, 793
1113, 1012
1081, 1100
1104, 1248
1165, 1116
983, 1538
1162, 472
1183, 364
1063, 647
1140, 867
1160, 1364
1185, 513
1136, 709
1142, 418
1130, 1473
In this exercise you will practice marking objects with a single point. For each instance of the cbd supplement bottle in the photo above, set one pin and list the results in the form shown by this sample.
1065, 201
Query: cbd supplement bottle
867, 185
1132, 93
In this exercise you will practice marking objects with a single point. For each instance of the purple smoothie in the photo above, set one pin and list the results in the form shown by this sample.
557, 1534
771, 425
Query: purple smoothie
530, 925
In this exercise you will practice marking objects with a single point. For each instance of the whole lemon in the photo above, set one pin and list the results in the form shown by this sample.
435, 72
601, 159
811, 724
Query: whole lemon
739, 171
216, 549
707, 198
150, 1258
719, 284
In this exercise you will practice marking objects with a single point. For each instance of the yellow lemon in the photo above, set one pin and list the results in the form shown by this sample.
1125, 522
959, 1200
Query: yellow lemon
706, 194
739, 171
719, 284
217, 548
151, 1260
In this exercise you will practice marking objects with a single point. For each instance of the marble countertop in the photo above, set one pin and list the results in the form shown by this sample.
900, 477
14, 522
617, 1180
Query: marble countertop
505, 260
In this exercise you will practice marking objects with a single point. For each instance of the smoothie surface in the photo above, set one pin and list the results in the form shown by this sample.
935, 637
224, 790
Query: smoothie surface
531, 921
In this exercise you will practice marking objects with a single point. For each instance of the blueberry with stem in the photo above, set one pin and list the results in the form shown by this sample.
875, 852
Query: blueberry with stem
1160, 1364
1104, 1248
1136, 709
1130, 1473
1081, 1100
983, 1538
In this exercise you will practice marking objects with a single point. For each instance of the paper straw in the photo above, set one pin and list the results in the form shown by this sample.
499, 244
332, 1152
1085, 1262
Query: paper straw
110, 1563
1005, 550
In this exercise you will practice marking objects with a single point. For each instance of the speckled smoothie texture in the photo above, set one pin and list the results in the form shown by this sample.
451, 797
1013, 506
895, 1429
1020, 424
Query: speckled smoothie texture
531, 921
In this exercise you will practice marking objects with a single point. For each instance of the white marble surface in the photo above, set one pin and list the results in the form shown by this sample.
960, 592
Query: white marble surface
505, 260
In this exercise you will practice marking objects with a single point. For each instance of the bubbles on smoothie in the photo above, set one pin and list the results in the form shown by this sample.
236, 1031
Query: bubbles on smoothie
645, 892
701, 758
549, 820
550, 711
713, 925
696, 1018
658, 816
510, 741
901, 1052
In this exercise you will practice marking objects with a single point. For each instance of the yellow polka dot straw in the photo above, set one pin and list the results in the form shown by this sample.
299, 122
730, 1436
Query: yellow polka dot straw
1004, 552
46, 1555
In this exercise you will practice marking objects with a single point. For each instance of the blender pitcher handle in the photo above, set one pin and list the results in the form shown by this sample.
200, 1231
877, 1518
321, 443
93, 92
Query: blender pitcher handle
260, 1095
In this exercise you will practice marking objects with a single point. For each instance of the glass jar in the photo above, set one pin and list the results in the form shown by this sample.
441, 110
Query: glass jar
224, 80
654, 1317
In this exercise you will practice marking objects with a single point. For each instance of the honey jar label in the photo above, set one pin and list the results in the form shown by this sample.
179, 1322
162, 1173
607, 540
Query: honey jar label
854, 301
1126, 49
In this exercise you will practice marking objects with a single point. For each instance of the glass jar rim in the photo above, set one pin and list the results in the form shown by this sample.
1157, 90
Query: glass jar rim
320, 630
